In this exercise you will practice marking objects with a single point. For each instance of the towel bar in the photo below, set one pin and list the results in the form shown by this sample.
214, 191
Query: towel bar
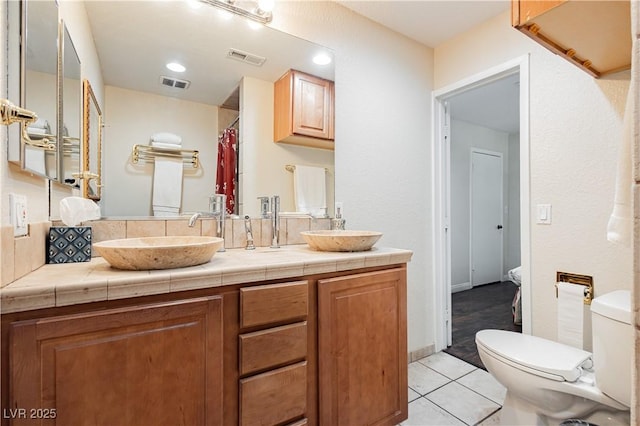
147, 153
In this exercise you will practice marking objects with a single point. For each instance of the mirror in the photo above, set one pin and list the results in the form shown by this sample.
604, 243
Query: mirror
134, 42
70, 104
92, 144
39, 33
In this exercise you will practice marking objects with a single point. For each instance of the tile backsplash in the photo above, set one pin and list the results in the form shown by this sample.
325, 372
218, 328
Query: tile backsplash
21, 255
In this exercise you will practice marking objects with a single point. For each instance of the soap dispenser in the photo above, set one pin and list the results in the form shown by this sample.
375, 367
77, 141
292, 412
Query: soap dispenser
338, 222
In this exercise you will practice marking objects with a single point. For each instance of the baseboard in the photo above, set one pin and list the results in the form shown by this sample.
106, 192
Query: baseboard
460, 287
421, 353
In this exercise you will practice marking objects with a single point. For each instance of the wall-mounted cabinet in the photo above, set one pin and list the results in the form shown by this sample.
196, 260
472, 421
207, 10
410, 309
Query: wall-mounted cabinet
304, 110
593, 35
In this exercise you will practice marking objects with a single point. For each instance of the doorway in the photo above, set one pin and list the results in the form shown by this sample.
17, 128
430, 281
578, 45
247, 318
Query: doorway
446, 197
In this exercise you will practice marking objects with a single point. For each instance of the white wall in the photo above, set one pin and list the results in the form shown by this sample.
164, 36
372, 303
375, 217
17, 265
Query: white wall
261, 157
383, 115
131, 118
575, 131
464, 137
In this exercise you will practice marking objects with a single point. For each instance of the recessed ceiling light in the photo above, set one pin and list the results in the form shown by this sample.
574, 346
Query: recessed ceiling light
322, 59
174, 66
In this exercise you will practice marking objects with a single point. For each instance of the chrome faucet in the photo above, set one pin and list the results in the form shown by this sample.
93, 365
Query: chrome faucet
217, 209
275, 221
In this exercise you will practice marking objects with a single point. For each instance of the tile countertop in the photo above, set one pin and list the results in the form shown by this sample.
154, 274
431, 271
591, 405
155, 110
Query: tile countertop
72, 283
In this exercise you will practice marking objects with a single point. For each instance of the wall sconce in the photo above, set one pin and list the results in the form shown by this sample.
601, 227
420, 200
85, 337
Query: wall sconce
260, 13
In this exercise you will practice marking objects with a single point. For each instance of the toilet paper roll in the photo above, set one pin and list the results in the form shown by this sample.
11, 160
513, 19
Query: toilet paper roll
571, 315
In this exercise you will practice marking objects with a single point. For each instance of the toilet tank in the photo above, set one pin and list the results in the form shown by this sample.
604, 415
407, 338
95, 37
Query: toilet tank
613, 344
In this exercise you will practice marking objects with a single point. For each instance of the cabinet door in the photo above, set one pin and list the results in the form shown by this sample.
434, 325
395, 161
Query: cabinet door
312, 106
362, 335
158, 364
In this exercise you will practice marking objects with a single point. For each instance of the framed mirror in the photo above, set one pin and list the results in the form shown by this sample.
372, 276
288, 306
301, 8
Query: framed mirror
91, 144
39, 86
70, 106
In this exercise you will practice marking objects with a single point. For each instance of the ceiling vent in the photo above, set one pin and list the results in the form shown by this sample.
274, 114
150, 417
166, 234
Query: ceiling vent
249, 58
174, 82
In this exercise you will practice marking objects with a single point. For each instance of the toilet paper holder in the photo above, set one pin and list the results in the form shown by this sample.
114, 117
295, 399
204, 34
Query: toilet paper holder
585, 280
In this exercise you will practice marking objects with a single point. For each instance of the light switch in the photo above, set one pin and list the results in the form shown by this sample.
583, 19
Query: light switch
544, 214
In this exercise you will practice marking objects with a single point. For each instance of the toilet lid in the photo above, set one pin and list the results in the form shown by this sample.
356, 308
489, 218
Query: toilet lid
533, 354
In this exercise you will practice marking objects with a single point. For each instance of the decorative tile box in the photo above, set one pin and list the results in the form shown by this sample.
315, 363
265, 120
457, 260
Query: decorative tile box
69, 244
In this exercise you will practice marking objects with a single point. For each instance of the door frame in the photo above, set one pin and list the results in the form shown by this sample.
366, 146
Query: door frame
441, 198
501, 157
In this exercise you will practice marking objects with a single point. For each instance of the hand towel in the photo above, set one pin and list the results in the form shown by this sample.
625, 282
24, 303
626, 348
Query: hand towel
165, 137
620, 226
310, 190
167, 186
34, 159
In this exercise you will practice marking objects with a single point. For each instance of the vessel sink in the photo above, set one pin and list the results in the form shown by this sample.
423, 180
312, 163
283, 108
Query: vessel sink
341, 240
158, 252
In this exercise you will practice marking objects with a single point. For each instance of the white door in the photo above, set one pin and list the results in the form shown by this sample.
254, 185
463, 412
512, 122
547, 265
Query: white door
486, 217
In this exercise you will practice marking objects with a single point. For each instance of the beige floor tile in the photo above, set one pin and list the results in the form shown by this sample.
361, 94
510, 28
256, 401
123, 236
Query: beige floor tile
413, 395
483, 383
423, 380
447, 365
463, 403
423, 412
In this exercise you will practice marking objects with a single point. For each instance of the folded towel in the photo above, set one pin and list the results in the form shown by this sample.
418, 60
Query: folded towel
36, 130
165, 137
40, 123
168, 146
310, 190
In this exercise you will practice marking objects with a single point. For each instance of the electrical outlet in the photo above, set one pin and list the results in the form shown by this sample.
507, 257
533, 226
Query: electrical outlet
18, 214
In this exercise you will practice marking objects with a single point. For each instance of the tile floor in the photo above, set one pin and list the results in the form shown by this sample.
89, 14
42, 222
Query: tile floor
444, 390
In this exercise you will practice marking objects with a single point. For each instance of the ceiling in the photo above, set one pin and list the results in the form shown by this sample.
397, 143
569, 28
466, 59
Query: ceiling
430, 22
495, 105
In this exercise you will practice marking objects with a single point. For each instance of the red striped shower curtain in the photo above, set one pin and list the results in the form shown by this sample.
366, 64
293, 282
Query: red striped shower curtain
227, 162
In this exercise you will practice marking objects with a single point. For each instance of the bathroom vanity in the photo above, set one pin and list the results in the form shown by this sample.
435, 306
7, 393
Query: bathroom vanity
267, 336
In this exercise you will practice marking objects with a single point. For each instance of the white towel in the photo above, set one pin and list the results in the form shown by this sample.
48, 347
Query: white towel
167, 186
34, 159
167, 146
310, 190
165, 137
620, 226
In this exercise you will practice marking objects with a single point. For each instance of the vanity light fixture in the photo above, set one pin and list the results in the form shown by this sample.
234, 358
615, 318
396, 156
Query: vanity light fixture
260, 13
174, 66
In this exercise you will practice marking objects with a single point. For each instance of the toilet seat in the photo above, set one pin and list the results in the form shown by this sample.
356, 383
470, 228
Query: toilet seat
544, 358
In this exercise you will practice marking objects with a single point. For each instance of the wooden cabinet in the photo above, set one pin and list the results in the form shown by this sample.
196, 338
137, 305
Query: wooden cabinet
329, 349
362, 342
273, 361
593, 35
159, 364
304, 110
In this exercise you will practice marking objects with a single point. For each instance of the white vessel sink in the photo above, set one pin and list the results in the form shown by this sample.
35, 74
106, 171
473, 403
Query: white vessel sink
158, 252
341, 240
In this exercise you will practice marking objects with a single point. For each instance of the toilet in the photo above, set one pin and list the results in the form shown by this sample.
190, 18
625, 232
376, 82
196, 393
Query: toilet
548, 382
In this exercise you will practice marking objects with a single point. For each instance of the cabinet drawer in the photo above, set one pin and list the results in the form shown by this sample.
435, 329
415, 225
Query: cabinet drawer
272, 347
274, 397
268, 304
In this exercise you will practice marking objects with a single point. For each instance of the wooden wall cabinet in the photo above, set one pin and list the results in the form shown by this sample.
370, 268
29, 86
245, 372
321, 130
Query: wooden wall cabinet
362, 342
593, 35
304, 110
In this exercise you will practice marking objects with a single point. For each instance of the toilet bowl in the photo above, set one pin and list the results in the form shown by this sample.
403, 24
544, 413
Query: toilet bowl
548, 382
